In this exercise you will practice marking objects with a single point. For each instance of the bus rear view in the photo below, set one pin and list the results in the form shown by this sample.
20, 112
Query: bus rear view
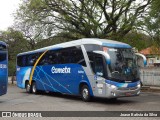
3, 68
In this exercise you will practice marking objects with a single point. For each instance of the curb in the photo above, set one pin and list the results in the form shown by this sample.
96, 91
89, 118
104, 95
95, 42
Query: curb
10, 82
150, 89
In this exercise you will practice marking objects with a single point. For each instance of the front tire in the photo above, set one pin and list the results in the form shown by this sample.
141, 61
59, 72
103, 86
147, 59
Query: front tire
28, 87
85, 94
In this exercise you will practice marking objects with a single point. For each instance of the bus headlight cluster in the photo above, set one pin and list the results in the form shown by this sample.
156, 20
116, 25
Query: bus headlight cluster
139, 85
113, 86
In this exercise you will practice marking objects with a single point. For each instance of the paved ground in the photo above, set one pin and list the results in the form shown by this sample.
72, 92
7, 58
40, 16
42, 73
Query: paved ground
18, 100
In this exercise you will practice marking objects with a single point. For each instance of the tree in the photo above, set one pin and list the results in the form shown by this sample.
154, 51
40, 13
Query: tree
82, 18
151, 23
138, 40
52, 40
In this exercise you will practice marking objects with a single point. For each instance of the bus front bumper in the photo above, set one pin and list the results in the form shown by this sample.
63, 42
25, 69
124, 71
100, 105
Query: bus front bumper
114, 92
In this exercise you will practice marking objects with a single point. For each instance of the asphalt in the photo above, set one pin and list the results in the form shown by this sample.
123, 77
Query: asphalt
17, 99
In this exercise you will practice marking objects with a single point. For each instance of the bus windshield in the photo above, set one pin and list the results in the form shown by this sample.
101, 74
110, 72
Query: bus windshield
123, 64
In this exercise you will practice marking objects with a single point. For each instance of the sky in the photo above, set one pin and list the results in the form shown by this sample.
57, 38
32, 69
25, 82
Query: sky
7, 8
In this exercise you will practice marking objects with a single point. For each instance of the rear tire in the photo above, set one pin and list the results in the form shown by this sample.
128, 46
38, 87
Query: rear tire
85, 94
28, 87
34, 88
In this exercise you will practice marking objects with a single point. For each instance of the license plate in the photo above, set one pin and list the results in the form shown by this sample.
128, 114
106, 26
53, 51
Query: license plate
128, 94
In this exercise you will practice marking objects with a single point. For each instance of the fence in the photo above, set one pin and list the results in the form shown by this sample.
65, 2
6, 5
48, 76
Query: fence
150, 76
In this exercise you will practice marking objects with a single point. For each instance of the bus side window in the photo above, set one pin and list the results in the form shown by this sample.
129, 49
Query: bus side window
99, 67
44, 60
96, 62
63, 56
77, 56
31, 59
20, 61
91, 60
23, 61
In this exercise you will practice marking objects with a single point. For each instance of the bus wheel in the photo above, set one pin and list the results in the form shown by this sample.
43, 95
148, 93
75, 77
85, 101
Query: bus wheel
34, 88
28, 87
85, 93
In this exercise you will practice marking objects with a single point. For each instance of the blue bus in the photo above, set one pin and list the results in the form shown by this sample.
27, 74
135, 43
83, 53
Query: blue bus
3, 68
89, 67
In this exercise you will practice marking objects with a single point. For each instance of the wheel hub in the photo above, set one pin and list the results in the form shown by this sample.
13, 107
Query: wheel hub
85, 93
34, 89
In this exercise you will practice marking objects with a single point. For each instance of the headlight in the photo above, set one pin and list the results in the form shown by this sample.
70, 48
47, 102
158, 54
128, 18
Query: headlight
139, 85
113, 86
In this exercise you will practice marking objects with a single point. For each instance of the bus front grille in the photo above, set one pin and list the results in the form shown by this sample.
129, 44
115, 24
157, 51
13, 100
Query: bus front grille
123, 88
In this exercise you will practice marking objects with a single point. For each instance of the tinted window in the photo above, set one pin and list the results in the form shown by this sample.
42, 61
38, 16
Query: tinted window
31, 59
2, 56
27, 60
62, 56
49, 58
2, 47
99, 67
76, 56
97, 64
20, 61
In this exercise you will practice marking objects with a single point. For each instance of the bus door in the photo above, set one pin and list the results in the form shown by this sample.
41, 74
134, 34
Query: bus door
97, 63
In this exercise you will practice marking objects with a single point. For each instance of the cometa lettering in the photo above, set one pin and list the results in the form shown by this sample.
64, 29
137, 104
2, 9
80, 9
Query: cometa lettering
60, 70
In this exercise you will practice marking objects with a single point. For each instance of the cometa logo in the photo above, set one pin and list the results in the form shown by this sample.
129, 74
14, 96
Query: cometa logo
61, 70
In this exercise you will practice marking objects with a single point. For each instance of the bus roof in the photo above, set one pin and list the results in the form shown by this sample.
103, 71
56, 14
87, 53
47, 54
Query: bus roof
103, 42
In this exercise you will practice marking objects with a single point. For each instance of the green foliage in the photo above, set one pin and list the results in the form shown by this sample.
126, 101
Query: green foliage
41, 23
137, 40
87, 18
11, 67
151, 24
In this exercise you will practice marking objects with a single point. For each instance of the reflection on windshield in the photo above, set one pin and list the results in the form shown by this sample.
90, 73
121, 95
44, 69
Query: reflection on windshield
123, 64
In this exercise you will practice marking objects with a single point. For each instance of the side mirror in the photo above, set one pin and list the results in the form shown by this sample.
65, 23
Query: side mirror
106, 55
141, 60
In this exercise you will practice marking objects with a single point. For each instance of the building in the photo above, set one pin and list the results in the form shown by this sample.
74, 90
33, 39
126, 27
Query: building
153, 55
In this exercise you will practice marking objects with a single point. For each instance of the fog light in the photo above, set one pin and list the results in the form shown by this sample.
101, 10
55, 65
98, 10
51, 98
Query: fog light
113, 93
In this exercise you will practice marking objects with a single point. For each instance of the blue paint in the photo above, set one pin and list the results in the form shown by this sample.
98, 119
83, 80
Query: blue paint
114, 45
46, 80
3, 71
145, 62
108, 61
127, 85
